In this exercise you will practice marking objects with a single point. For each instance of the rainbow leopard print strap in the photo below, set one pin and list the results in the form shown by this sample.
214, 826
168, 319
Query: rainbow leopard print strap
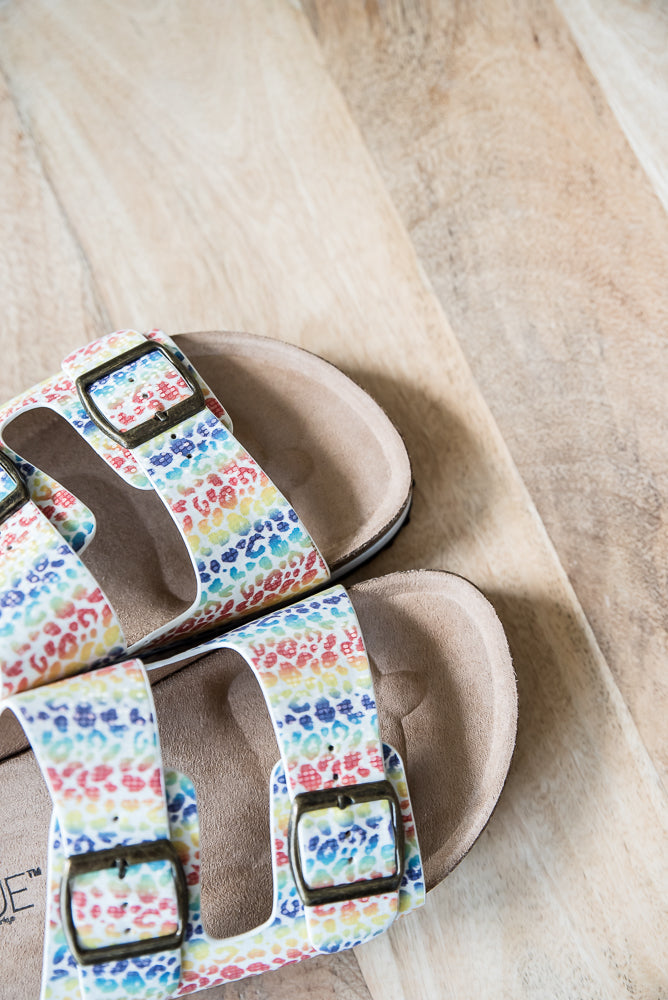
140, 404
122, 896
346, 830
54, 619
96, 741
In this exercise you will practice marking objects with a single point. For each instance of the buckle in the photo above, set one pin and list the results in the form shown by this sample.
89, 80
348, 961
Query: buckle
123, 857
162, 420
323, 798
19, 495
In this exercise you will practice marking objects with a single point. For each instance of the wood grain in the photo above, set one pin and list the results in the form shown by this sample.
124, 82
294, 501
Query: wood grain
626, 47
208, 172
548, 251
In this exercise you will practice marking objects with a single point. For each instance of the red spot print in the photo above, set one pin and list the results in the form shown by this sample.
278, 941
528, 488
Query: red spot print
67, 645
132, 783
231, 972
273, 581
215, 407
54, 779
309, 777
63, 498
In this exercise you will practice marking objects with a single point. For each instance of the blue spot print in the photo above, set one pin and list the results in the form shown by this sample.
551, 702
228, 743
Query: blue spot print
324, 711
327, 851
84, 716
163, 458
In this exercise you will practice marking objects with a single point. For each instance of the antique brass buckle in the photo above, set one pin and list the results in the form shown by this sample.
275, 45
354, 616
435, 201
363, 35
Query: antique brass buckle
123, 857
19, 495
341, 798
162, 420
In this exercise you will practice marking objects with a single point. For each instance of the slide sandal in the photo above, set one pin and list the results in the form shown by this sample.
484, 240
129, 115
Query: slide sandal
443, 703
108, 563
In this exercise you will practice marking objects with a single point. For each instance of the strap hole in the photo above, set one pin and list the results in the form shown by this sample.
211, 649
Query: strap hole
130, 380
189, 455
173, 437
330, 747
335, 777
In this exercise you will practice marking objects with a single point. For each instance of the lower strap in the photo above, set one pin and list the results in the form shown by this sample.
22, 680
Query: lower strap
207, 961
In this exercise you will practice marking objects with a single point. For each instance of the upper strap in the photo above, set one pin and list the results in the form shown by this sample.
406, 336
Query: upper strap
140, 404
54, 618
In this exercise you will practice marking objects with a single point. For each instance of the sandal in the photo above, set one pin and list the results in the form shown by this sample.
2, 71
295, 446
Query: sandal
134, 918
75, 592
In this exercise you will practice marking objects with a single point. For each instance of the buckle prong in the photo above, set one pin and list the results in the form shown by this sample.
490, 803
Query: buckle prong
323, 798
159, 421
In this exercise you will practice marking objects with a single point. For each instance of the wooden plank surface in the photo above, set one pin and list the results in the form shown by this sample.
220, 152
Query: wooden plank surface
625, 45
548, 251
198, 168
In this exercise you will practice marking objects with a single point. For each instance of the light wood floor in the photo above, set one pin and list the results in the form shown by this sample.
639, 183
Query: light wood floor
463, 206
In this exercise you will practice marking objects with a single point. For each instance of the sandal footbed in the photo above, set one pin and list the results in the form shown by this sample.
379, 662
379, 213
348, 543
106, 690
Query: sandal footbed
447, 701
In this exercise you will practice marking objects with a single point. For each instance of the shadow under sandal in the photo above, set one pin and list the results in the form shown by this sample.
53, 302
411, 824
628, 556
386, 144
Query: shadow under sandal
393, 751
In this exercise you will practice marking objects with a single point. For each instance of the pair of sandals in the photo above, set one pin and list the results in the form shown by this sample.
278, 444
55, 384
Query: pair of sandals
393, 703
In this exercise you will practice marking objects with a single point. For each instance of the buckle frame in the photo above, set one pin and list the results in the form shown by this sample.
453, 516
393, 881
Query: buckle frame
162, 420
331, 797
19, 495
123, 857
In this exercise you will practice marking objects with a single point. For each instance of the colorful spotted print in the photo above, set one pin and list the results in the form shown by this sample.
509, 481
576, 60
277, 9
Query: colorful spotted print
73, 520
313, 670
96, 742
347, 845
282, 940
54, 619
95, 739
248, 548
143, 387
247, 543
122, 460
